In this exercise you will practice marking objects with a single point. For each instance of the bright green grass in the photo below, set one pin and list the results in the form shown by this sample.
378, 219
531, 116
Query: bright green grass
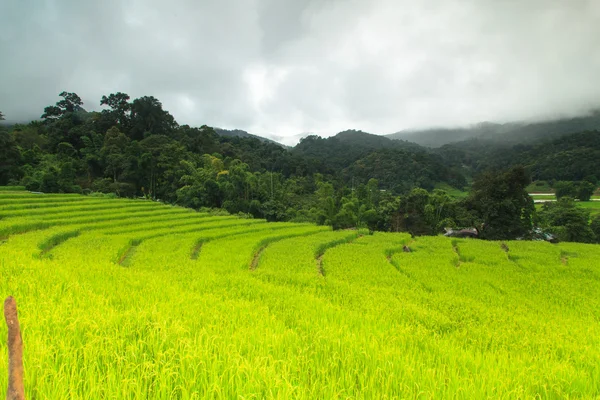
540, 187
160, 302
452, 191
543, 196
592, 206
11, 188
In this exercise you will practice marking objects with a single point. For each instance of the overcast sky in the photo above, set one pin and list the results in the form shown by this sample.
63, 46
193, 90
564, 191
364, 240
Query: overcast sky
285, 67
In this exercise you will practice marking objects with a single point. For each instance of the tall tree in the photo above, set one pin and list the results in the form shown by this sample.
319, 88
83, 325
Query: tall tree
9, 157
148, 118
120, 108
503, 207
70, 103
567, 221
114, 152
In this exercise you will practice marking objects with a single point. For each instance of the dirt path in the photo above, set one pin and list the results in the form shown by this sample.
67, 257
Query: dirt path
15, 351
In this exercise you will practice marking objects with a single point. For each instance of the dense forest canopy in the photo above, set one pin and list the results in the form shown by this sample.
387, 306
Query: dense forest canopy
136, 148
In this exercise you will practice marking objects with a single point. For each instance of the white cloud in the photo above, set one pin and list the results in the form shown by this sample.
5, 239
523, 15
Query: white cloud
285, 67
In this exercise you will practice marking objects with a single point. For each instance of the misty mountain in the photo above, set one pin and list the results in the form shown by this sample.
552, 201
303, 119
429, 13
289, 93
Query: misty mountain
359, 156
570, 157
243, 134
346, 147
509, 133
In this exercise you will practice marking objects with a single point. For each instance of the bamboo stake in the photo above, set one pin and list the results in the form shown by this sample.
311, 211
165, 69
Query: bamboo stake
15, 351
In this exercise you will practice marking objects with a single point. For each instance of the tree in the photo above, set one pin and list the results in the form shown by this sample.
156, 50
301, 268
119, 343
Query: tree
1, 116
326, 203
9, 157
438, 211
595, 226
585, 190
565, 189
113, 151
413, 206
160, 166
148, 118
120, 108
70, 103
502, 206
567, 221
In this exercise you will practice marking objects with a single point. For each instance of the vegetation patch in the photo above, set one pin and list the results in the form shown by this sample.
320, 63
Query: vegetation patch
197, 248
379, 313
22, 228
11, 188
126, 255
263, 244
458, 260
51, 242
320, 252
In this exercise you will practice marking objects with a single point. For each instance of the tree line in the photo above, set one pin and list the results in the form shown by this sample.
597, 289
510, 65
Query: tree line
135, 148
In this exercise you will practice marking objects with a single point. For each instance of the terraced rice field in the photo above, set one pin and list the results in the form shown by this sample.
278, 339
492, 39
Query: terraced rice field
128, 299
593, 206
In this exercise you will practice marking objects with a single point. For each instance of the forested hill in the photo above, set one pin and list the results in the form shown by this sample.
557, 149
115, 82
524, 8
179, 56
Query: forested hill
339, 151
243, 134
571, 157
135, 148
509, 133
357, 156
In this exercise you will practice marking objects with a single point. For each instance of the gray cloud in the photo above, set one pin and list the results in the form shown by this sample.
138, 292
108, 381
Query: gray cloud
286, 67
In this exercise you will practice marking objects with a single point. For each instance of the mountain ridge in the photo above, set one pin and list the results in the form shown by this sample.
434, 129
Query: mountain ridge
510, 133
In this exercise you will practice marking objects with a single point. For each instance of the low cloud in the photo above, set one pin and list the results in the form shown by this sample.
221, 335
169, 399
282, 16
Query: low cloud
287, 67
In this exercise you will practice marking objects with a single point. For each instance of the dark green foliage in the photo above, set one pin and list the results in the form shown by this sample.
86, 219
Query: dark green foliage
352, 180
567, 221
70, 103
573, 157
577, 190
508, 134
585, 191
398, 166
148, 118
501, 205
10, 158
595, 227
565, 189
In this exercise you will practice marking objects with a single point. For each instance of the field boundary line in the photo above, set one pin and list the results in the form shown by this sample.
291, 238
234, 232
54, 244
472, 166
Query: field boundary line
168, 224
389, 255
263, 244
197, 248
23, 228
55, 240
204, 240
320, 252
125, 256
205, 228
456, 250
195, 253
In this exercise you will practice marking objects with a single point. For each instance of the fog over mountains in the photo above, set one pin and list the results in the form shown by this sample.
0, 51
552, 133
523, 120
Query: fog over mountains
508, 133
283, 68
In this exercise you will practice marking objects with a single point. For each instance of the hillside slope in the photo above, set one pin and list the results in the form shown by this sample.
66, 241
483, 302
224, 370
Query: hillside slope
141, 300
569, 157
509, 133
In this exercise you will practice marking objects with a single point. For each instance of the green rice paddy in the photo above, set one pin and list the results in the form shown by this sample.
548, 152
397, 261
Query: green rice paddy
131, 299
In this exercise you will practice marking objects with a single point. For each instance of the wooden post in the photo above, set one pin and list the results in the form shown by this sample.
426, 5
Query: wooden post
15, 351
